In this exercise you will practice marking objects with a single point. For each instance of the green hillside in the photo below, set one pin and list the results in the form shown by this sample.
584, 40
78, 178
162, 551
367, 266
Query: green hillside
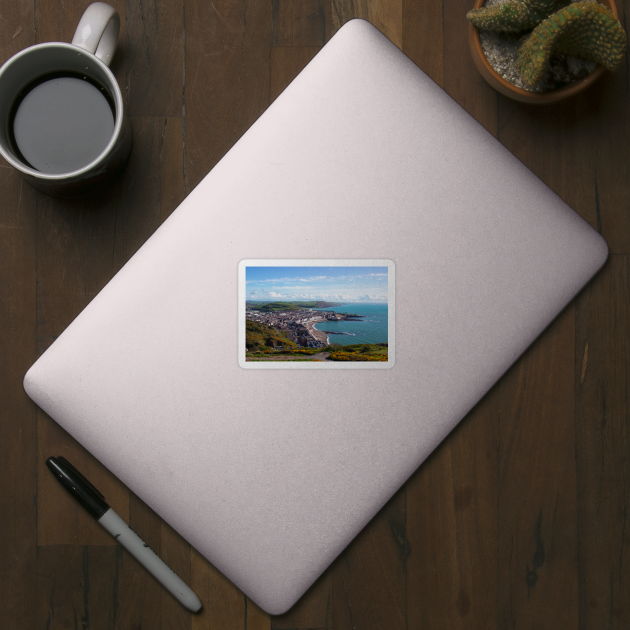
358, 352
264, 336
272, 307
264, 349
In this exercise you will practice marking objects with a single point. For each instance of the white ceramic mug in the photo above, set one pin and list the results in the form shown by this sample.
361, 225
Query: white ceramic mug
86, 58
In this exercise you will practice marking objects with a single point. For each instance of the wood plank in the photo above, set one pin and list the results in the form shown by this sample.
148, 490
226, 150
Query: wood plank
17, 28
255, 617
18, 421
369, 577
74, 248
423, 36
312, 611
154, 57
18, 416
300, 23
386, 15
226, 78
558, 147
461, 78
152, 185
57, 23
452, 527
565, 148
537, 537
76, 587
285, 64
603, 468
171, 159
574, 150
608, 127
143, 601
224, 606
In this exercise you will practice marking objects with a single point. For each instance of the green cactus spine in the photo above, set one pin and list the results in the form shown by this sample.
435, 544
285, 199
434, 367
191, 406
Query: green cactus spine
513, 16
583, 29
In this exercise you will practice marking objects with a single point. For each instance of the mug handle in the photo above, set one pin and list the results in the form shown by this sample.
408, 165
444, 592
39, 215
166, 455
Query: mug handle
98, 30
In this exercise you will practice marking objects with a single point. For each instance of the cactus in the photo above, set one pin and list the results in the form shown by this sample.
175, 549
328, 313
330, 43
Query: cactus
584, 29
513, 16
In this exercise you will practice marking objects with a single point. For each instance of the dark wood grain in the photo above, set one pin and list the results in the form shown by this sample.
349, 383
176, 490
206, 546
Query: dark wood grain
18, 417
537, 537
285, 64
518, 520
461, 79
452, 516
602, 380
302, 23
76, 587
154, 57
609, 133
368, 578
224, 606
152, 606
151, 187
386, 15
226, 78
422, 36
313, 610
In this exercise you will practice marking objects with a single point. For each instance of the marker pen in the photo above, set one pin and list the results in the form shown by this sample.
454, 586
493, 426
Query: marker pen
94, 502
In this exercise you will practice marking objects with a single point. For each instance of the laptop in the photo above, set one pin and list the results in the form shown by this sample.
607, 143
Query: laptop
226, 374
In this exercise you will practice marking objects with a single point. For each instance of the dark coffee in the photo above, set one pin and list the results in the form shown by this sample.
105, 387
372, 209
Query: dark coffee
61, 123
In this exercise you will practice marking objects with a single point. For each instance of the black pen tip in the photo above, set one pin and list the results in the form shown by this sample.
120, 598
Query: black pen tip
78, 486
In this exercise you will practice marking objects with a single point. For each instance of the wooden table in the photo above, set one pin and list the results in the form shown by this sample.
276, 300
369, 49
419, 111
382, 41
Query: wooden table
518, 520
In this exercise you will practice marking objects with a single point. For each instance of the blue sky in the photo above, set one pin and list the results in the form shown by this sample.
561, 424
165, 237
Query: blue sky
335, 284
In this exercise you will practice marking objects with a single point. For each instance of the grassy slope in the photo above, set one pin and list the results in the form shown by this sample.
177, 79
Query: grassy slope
355, 352
267, 307
358, 352
265, 336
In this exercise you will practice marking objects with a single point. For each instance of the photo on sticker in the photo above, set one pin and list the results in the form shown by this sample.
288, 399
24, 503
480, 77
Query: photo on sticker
316, 313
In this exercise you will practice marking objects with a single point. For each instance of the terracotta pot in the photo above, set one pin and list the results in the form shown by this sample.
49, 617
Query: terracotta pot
518, 94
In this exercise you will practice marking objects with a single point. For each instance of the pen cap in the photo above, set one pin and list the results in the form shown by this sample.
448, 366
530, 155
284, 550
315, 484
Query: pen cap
78, 486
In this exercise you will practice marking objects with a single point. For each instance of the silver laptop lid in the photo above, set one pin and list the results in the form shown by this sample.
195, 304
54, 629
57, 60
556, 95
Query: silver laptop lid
362, 162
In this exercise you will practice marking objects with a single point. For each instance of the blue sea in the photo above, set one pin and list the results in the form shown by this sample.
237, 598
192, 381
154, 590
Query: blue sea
369, 329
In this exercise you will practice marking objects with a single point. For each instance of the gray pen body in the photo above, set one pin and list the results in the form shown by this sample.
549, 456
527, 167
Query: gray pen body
149, 559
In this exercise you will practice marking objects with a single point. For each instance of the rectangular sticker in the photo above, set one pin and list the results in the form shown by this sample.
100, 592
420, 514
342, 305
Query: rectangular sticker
316, 314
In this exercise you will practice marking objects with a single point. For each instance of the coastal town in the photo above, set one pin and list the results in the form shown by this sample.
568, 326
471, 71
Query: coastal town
298, 325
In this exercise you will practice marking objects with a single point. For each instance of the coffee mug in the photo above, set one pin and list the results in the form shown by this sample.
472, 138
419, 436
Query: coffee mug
62, 114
